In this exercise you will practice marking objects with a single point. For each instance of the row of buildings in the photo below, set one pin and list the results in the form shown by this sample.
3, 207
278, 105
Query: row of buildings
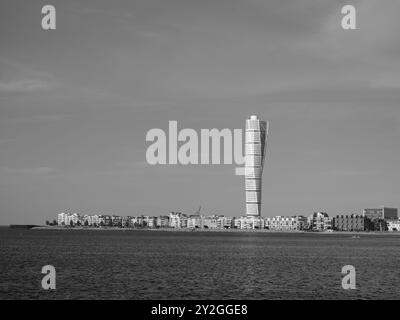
381, 219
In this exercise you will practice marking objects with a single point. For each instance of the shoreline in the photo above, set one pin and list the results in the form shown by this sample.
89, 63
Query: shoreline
213, 230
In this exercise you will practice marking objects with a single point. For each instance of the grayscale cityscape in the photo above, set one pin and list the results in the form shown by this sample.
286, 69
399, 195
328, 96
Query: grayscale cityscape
173, 152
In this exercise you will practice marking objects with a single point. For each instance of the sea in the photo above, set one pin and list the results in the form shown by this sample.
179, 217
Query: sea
141, 265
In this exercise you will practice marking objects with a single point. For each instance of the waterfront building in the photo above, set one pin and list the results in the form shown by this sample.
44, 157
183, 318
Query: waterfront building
178, 220
127, 221
281, 223
96, 220
237, 223
91, 220
85, 220
62, 218
139, 221
301, 223
210, 222
101, 220
320, 221
328, 224
67, 218
353, 222
383, 213
285, 223
73, 219
145, 221
249, 222
116, 221
175, 219
255, 142
393, 225
225, 222
184, 221
107, 220
162, 222
133, 222
78, 219
195, 221
151, 222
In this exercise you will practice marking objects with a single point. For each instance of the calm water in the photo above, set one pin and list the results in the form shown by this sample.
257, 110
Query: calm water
196, 265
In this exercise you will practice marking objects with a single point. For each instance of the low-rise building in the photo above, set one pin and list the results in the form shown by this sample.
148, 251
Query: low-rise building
393, 225
107, 220
178, 220
353, 222
210, 222
195, 221
302, 223
162, 222
139, 221
225, 222
320, 221
116, 221
90, 220
383, 213
285, 223
249, 222
126, 221
281, 223
62, 218
68, 219
95, 220
151, 222
73, 219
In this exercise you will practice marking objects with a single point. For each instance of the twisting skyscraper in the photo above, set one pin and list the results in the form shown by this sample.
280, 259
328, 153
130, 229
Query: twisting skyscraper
256, 132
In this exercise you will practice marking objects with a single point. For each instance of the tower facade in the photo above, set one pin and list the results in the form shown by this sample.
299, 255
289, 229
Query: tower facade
255, 144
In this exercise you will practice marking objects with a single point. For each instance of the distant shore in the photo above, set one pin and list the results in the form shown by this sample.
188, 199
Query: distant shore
211, 230
158, 229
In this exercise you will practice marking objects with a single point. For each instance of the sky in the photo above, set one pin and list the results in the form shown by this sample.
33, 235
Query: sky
76, 104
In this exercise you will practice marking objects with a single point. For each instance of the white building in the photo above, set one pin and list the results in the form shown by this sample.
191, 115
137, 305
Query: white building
178, 220
249, 222
256, 136
320, 221
224, 222
281, 223
210, 222
393, 225
66, 218
162, 222
94, 220
75, 217
151, 222
195, 221
62, 218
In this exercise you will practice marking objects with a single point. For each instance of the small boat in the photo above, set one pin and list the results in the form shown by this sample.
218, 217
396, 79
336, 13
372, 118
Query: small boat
356, 237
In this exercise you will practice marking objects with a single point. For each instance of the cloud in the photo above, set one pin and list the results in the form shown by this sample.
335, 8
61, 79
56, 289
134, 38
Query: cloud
386, 81
25, 85
28, 171
350, 173
118, 14
131, 165
39, 118
18, 77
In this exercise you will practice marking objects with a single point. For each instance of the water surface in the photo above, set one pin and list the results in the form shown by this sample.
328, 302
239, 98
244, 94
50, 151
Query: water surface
196, 265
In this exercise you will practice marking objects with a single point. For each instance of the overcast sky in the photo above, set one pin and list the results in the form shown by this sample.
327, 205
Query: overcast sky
76, 104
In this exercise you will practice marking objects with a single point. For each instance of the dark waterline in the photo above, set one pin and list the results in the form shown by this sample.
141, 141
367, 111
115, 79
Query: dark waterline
197, 265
